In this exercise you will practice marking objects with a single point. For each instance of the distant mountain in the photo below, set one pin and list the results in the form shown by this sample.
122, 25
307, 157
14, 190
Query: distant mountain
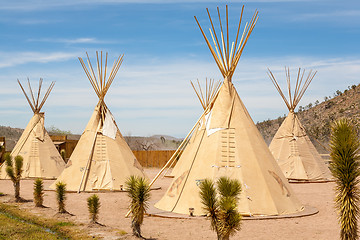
167, 137
11, 136
156, 142
317, 117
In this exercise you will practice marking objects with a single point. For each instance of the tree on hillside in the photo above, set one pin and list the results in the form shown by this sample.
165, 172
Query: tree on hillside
57, 131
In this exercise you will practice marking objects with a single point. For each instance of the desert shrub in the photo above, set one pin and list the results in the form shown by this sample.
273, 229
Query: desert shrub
38, 192
14, 171
60, 196
139, 192
220, 205
63, 154
344, 167
93, 203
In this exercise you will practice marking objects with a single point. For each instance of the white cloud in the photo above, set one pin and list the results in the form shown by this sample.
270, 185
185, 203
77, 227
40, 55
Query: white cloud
339, 14
17, 58
71, 41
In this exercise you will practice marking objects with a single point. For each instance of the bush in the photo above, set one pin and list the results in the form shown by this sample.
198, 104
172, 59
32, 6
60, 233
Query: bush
38, 192
63, 154
344, 167
139, 192
222, 209
14, 172
60, 196
93, 203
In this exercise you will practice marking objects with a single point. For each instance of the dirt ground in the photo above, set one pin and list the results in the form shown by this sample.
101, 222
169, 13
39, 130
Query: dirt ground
321, 226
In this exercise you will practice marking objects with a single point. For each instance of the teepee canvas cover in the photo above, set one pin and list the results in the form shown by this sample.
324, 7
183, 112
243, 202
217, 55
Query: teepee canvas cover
226, 142
291, 147
101, 160
41, 158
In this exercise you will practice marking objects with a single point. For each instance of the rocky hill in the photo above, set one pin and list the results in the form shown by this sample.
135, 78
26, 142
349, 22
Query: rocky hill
317, 117
11, 136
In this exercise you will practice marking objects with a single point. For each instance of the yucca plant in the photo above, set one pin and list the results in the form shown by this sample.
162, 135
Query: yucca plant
93, 203
63, 154
220, 204
14, 172
209, 200
138, 191
60, 196
344, 167
38, 192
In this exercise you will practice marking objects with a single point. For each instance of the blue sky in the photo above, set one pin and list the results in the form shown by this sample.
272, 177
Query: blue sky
164, 50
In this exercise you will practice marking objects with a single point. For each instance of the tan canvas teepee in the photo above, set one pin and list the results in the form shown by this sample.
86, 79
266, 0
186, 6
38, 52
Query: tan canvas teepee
226, 142
205, 96
41, 159
102, 160
291, 146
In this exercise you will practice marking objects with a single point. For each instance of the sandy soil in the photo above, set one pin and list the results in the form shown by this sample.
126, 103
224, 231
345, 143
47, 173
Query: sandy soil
322, 226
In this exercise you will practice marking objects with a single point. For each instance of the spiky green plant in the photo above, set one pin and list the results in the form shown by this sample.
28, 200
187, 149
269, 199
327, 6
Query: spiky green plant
344, 167
14, 172
93, 203
63, 154
60, 196
221, 207
209, 200
138, 191
38, 192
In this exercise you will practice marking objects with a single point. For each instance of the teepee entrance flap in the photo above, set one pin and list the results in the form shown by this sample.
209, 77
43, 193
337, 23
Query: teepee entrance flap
109, 128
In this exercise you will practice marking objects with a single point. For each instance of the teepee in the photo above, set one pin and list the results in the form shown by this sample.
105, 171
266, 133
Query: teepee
101, 160
291, 147
226, 142
205, 96
41, 159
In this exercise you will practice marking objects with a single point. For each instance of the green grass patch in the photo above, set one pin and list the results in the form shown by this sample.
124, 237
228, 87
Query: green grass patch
65, 224
20, 224
15, 229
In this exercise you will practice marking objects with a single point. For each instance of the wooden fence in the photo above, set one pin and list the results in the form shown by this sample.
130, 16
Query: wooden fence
153, 158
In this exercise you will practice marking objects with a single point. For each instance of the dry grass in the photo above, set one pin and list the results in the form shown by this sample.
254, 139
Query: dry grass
20, 224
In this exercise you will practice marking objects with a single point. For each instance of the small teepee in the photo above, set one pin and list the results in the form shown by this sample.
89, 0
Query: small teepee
205, 96
291, 147
101, 160
41, 158
226, 142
